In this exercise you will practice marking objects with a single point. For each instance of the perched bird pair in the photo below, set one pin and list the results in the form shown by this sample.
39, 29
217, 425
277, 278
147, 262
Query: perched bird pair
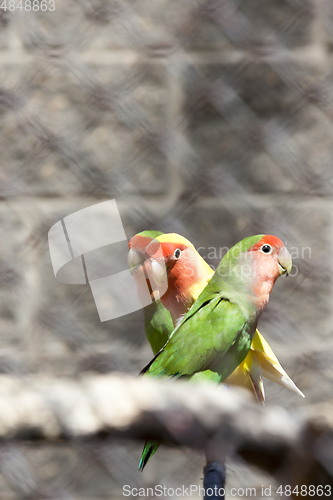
214, 314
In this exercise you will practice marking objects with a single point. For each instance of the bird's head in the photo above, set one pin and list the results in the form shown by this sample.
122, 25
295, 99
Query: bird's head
169, 254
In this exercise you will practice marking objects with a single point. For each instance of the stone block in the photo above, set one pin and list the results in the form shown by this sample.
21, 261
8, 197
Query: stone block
249, 127
84, 132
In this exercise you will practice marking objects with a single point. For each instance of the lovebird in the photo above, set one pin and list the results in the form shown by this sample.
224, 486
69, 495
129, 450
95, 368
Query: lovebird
157, 319
187, 274
217, 331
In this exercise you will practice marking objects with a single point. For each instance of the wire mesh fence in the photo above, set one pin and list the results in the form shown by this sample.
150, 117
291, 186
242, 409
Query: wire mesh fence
212, 119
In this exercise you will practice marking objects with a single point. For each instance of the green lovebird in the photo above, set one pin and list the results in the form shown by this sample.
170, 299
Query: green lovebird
186, 274
157, 319
217, 331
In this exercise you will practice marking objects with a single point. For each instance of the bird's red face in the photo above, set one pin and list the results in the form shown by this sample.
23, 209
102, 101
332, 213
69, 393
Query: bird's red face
170, 260
271, 256
176, 266
268, 259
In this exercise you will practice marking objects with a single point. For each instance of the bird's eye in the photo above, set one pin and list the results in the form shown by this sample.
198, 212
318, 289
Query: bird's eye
177, 253
266, 249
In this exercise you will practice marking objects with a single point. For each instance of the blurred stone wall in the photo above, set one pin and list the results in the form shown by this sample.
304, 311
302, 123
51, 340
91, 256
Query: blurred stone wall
212, 119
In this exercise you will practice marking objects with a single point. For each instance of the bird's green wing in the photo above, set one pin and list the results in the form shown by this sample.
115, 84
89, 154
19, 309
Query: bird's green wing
158, 325
216, 337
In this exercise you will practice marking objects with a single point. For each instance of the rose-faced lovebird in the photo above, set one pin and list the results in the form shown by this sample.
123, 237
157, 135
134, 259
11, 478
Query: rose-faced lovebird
217, 331
157, 319
187, 276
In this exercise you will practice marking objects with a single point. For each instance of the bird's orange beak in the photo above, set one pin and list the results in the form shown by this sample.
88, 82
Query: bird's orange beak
134, 259
155, 257
284, 261
158, 271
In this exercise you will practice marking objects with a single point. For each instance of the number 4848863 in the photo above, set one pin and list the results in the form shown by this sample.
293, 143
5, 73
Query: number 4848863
304, 490
27, 5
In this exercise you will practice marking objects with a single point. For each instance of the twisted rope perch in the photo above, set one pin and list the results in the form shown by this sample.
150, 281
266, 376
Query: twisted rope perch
118, 405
